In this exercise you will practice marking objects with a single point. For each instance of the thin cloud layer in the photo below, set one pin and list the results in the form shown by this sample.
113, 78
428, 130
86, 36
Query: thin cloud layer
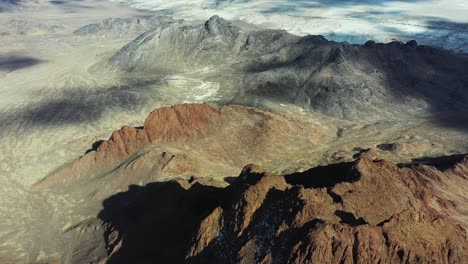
441, 23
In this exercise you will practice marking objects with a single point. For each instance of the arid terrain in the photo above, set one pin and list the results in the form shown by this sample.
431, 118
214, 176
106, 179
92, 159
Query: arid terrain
136, 136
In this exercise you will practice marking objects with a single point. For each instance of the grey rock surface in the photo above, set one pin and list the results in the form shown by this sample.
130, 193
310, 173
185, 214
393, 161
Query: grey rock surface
120, 26
25, 27
337, 79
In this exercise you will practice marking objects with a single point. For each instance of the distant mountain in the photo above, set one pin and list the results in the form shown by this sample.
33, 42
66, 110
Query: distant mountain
177, 47
122, 26
337, 79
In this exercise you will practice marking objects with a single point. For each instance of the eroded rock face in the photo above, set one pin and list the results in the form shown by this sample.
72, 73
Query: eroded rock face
170, 143
372, 212
358, 212
367, 210
162, 125
179, 121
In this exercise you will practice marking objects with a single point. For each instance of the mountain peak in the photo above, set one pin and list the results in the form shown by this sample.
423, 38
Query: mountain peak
219, 26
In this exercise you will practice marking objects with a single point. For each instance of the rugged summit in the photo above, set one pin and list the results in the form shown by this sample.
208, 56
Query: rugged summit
362, 211
178, 46
172, 136
162, 125
165, 192
337, 79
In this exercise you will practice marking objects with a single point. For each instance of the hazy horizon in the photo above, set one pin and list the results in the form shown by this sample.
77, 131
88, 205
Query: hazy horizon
439, 23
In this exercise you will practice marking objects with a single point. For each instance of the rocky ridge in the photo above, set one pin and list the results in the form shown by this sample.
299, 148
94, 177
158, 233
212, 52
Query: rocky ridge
122, 26
164, 193
171, 138
336, 79
362, 211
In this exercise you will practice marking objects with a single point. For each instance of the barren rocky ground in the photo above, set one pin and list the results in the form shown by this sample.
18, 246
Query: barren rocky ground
123, 139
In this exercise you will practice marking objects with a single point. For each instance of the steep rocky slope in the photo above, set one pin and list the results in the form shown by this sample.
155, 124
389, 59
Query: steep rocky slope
362, 211
213, 141
177, 47
190, 139
338, 79
165, 192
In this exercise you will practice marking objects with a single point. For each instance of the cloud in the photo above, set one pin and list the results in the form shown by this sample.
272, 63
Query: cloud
371, 19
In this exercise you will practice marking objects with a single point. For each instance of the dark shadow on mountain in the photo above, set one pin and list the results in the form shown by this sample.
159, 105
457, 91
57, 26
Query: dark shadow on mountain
324, 176
429, 74
350, 219
348, 38
230, 179
446, 24
277, 208
155, 222
94, 146
441, 163
457, 120
437, 32
408, 77
14, 62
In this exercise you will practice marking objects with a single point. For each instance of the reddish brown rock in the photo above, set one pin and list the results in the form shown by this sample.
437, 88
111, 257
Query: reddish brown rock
371, 212
358, 212
122, 143
162, 125
179, 121
203, 140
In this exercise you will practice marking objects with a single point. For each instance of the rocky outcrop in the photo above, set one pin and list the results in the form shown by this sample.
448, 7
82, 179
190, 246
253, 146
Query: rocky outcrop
162, 125
365, 211
128, 145
358, 212
181, 121
169, 144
